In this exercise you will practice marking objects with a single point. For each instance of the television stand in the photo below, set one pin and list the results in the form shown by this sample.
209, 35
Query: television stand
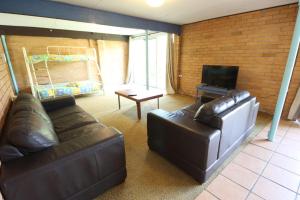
207, 93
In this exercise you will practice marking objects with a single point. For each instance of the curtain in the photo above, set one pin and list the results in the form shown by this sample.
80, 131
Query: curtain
295, 108
130, 67
170, 66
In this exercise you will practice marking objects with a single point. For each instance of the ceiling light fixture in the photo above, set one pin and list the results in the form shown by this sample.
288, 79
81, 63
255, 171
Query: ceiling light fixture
155, 3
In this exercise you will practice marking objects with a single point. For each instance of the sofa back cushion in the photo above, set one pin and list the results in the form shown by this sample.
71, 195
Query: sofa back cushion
29, 127
238, 95
9, 152
207, 111
31, 133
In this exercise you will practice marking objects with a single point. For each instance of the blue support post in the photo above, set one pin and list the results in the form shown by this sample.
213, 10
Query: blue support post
286, 79
11, 71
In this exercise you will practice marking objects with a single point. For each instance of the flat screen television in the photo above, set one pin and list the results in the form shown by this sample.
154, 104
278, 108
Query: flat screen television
220, 76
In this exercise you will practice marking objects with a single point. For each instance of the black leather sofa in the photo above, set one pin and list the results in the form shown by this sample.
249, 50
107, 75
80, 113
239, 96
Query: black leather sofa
55, 150
198, 138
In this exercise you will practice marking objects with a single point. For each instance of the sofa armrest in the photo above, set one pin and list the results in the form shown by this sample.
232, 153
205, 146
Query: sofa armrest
176, 135
64, 169
58, 102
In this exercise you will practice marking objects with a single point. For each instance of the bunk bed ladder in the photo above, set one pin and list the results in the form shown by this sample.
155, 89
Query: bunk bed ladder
39, 75
29, 72
35, 79
98, 70
36, 73
49, 77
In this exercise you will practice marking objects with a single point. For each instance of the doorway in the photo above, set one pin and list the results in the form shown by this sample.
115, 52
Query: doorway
153, 75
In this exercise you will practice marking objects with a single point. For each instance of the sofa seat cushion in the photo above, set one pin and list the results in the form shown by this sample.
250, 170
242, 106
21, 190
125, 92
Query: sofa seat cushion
72, 121
29, 132
65, 111
80, 131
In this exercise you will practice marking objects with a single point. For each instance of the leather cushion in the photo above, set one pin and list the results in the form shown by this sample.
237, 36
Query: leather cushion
238, 95
79, 132
26, 102
214, 107
72, 121
31, 107
9, 152
22, 96
69, 110
30, 132
58, 103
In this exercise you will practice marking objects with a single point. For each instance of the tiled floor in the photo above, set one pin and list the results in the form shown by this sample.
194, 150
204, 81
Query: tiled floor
262, 170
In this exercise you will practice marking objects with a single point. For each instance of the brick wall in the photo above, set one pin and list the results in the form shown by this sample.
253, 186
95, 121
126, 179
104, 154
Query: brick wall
258, 42
60, 72
5, 88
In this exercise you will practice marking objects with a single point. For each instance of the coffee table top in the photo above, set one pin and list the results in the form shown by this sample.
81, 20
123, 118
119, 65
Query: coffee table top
139, 95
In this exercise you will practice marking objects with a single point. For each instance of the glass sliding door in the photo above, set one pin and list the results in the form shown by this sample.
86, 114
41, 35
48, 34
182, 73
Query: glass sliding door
157, 61
139, 61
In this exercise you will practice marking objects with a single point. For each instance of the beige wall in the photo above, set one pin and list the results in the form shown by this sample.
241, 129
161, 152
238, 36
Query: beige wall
5, 88
60, 72
258, 42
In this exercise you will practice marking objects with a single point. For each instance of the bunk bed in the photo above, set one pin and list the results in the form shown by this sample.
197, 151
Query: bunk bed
38, 69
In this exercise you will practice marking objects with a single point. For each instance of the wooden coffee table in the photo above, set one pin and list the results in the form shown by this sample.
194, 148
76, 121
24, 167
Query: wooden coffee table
138, 97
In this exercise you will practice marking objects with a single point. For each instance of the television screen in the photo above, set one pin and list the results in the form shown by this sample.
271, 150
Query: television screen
220, 76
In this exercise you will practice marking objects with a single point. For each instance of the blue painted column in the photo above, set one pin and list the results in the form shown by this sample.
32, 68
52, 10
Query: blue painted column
286, 79
11, 71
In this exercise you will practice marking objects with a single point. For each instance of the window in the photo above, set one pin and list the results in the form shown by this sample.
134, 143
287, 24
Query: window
157, 54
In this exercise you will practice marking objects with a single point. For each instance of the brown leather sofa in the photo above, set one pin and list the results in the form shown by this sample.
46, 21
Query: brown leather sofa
199, 143
55, 150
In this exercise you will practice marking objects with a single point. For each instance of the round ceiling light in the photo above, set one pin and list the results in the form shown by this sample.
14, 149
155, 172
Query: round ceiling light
155, 3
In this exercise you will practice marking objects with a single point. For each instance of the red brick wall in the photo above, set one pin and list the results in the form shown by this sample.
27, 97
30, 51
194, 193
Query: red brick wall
258, 42
5, 88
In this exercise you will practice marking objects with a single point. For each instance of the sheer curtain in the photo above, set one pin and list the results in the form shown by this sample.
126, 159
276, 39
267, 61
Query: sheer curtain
137, 61
160, 62
131, 61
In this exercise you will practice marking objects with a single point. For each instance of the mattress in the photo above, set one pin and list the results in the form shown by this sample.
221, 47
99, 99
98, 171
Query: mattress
69, 88
59, 58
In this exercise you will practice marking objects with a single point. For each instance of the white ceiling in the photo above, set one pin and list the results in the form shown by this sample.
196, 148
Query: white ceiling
179, 11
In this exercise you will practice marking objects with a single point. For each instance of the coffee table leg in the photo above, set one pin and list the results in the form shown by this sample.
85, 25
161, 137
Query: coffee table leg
138, 108
119, 102
158, 103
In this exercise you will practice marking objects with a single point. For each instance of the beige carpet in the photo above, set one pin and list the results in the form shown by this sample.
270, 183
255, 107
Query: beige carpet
149, 175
